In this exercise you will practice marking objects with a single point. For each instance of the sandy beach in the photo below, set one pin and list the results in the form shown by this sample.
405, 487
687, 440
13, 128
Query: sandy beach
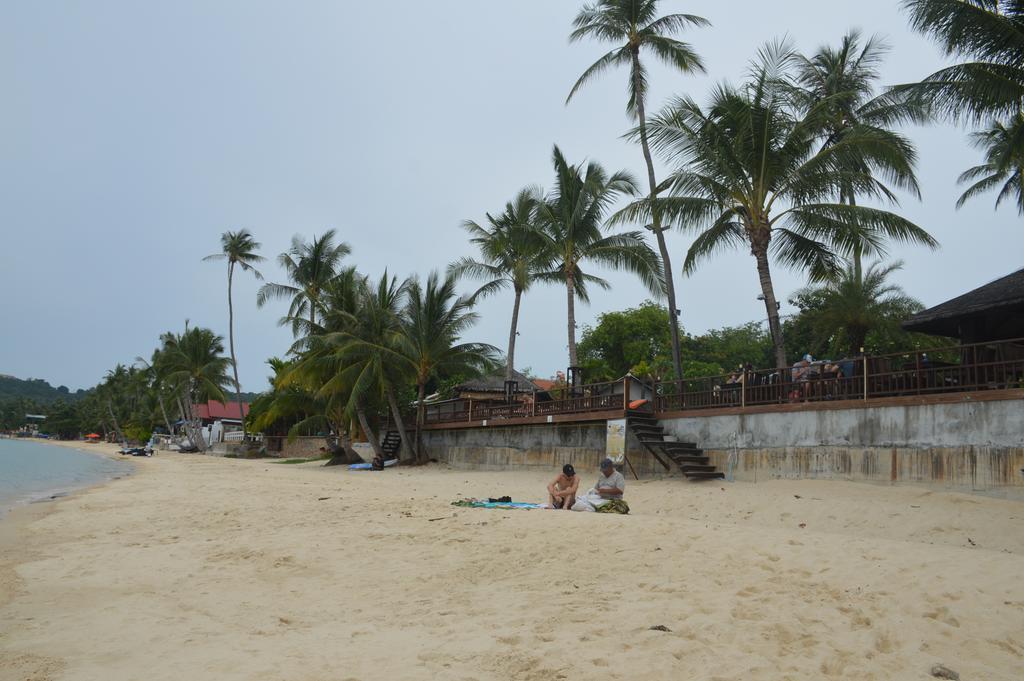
203, 568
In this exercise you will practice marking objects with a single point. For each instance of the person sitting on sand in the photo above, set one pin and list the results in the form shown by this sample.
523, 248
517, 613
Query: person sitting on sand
611, 484
562, 490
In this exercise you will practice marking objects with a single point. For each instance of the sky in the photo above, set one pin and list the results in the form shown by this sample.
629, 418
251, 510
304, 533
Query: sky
133, 134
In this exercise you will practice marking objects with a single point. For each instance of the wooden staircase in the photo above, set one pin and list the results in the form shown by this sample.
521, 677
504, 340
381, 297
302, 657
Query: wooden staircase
391, 444
690, 460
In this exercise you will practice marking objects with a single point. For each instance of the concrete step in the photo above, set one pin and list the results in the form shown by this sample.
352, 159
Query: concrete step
716, 475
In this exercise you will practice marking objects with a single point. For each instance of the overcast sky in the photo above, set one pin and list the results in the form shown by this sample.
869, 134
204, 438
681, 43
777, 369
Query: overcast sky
133, 134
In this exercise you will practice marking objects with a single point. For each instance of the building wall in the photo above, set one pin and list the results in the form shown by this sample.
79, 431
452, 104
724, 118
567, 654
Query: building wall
299, 448
966, 445
540, 446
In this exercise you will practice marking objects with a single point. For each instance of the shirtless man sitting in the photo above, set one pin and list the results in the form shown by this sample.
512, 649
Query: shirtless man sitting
562, 490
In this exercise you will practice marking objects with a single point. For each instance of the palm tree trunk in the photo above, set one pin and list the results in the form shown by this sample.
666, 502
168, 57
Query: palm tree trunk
570, 289
370, 435
858, 251
117, 427
666, 261
400, 423
163, 410
420, 413
771, 306
510, 363
231, 345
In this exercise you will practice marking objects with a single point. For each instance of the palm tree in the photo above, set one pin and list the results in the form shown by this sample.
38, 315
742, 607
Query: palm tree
849, 307
753, 172
842, 82
512, 254
573, 216
634, 25
309, 266
1004, 163
369, 355
238, 248
193, 361
434, 320
987, 33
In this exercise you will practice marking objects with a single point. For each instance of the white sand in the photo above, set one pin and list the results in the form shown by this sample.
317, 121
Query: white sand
198, 568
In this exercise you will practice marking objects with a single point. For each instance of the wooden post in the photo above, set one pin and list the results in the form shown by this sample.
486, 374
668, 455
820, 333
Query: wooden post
917, 370
865, 378
533, 403
625, 394
743, 390
470, 415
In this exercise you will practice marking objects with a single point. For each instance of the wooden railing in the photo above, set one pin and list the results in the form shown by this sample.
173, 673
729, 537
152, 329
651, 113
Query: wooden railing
982, 366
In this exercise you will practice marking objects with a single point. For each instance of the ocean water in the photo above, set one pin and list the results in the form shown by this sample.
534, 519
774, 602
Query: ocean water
31, 470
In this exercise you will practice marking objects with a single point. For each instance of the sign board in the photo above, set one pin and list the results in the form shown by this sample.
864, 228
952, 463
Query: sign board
615, 441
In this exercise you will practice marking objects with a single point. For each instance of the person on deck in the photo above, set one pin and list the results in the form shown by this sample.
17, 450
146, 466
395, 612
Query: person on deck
611, 484
562, 490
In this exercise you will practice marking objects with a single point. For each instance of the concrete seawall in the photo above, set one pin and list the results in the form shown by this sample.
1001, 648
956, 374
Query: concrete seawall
967, 446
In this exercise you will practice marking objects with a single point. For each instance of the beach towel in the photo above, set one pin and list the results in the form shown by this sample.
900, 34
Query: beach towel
369, 466
476, 503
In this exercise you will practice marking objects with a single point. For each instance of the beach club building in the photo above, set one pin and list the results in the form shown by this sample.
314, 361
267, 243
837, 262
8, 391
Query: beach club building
950, 416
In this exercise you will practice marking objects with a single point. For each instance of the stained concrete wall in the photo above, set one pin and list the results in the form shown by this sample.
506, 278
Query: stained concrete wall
975, 446
541, 446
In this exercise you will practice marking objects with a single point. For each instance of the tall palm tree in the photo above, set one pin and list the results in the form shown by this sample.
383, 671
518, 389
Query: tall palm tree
989, 35
238, 248
309, 266
634, 25
752, 171
512, 254
434, 320
842, 82
370, 353
847, 308
573, 216
194, 362
1004, 163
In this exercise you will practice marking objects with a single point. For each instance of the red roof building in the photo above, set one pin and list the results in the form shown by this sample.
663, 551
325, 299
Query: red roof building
218, 411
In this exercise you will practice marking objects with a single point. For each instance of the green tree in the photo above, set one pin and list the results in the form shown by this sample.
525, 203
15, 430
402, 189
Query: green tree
635, 340
434, 320
729, 347
310, 267
841, 82
752, 172
573, 216
843, 312
1004, 163
986, 33
512, 253
634, 26
238, 248
194, 362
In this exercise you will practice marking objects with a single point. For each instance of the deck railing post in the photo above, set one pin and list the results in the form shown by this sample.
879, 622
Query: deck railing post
625, 394
743, 390
533, 404
865, 377
469, 414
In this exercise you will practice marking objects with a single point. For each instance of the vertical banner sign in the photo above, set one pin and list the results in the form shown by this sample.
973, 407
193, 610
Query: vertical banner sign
615, 441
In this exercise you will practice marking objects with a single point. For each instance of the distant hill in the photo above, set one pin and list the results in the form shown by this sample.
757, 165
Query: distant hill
36, 389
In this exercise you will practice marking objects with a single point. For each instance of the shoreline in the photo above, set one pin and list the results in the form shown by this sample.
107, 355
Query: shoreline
214, 568
101, 450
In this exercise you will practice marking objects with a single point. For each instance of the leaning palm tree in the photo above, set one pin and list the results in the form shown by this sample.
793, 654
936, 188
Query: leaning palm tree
573, 216
1004, 163
238, 248
856, 303
634, 25
309, 266
433, 322
193, 361
512, 253
369, 354
752, 172
988, 35
842, 82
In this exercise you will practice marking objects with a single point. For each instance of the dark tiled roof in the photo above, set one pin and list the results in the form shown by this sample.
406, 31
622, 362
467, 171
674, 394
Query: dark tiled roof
1005, 292
495, 383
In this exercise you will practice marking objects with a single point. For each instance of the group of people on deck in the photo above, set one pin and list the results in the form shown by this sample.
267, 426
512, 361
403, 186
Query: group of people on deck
563, 491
